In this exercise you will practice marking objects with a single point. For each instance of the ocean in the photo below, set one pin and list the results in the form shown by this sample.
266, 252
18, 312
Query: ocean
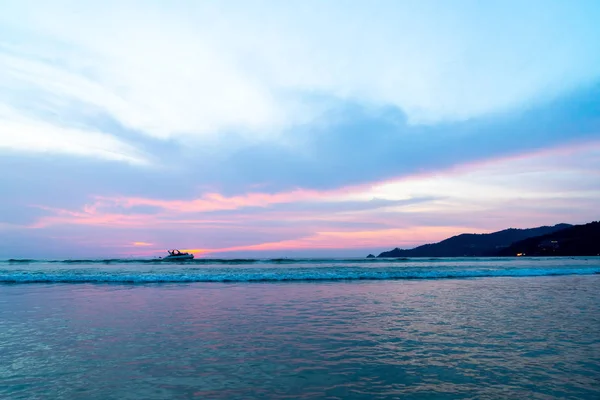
489, 328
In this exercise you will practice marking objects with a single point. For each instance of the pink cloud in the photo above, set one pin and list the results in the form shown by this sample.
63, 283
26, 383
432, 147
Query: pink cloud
120, 213
357, 239
93, 214
216, 201
142, 244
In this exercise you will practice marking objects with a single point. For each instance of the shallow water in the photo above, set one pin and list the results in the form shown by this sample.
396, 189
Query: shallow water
279, 270
500, 337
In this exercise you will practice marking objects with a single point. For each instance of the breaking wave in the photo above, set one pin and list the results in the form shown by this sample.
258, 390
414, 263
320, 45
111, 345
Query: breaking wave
280, 274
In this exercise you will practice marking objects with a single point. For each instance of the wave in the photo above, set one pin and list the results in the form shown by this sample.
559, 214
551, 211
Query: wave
240, 261
232, 261
278, 274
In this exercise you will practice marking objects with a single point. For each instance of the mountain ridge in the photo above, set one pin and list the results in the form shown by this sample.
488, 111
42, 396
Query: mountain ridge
578, 240
474, 244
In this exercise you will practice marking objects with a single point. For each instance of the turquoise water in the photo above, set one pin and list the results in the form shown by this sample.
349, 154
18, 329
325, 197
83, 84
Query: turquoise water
280, 270
454, 328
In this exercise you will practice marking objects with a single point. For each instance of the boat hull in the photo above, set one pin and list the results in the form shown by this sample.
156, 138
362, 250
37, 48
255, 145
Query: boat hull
182, 257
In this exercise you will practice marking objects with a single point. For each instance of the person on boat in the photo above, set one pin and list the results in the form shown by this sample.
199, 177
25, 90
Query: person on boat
174, 252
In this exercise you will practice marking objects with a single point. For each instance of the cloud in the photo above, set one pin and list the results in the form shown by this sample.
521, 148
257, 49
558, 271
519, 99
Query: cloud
296, 122
544, 187
363, 148
366, 145
19, 133
149, 73
193, 70
341, 240
141, 244
214, 209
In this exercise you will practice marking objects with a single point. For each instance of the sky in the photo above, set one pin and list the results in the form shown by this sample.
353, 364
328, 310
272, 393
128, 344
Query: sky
292, 129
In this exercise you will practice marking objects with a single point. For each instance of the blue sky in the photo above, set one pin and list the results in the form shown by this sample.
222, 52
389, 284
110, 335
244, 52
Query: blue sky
292, 128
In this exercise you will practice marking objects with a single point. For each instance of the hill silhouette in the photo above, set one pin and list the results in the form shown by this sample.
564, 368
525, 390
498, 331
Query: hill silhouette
473, 244
578, 240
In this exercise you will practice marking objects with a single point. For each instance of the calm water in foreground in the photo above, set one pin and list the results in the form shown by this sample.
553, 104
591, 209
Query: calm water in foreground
505, 335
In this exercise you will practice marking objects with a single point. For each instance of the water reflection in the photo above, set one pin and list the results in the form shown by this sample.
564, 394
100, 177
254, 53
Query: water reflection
495, 338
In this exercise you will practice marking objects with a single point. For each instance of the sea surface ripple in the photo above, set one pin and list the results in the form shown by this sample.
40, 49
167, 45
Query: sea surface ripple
485, 338
279, 270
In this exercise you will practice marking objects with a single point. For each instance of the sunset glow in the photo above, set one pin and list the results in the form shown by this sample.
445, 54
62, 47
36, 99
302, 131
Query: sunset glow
265, 139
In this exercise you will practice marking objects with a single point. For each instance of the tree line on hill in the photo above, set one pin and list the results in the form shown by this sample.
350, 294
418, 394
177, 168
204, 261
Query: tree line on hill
557, 240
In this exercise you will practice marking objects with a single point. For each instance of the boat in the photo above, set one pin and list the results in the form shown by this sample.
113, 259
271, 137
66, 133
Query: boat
176, 255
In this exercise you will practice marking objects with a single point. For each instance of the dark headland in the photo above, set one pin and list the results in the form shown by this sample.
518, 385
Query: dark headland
557, 240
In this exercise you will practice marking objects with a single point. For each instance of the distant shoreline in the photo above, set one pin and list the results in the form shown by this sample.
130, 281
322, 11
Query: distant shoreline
561, 240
